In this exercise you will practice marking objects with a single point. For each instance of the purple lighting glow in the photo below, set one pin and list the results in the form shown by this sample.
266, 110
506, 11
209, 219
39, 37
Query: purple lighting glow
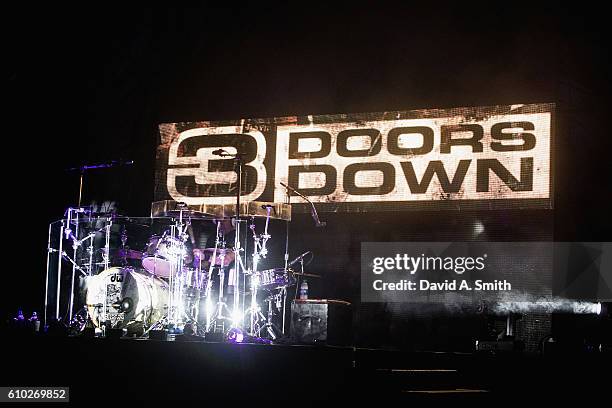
235, 335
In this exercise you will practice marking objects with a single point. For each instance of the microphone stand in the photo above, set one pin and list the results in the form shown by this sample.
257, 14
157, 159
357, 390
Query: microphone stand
284, 289
75, 237
236, 316
313, 209
84, 168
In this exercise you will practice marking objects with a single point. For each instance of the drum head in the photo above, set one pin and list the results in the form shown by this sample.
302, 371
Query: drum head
158, 266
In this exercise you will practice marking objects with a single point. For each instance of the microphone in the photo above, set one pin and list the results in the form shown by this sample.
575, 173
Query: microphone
266, 206
298, 259
291, 189
123, 162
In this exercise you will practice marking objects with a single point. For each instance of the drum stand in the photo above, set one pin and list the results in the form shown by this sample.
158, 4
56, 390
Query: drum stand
176, 307
70, 234
270, 326
221, 307
259, 251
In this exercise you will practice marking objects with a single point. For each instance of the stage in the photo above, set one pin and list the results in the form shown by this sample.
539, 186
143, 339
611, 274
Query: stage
123, 371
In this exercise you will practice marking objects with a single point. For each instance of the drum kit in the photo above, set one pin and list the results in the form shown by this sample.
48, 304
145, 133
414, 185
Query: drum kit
168, 284
145, 275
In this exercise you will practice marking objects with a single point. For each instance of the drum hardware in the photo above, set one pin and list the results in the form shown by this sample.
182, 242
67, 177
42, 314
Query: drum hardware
237, 311
73, 216
271, 328
184, 286
219, 318
86, 167
221, 312
74, 264
259, 251
318, 223
79, 321
215, 321
165, 259
176, 307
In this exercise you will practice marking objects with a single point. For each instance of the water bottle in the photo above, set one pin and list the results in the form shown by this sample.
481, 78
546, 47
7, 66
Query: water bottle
304, 290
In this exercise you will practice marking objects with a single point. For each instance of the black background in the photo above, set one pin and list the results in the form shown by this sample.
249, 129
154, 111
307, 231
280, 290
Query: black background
85, 85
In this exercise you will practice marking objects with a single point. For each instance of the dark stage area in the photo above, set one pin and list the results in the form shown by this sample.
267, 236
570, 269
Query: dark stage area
168, 372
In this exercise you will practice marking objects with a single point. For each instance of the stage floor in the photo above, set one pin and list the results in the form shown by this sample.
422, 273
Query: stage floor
120, 371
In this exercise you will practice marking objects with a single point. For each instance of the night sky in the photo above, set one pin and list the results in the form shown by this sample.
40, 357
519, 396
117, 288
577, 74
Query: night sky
90, 85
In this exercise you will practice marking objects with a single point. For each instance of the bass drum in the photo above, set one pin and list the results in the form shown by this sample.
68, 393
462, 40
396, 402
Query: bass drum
124, 296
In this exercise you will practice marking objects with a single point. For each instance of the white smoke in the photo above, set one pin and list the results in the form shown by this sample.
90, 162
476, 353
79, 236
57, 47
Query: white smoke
527, 303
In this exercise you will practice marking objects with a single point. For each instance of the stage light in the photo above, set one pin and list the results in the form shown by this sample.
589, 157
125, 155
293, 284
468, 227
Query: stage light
237, 318
235, 335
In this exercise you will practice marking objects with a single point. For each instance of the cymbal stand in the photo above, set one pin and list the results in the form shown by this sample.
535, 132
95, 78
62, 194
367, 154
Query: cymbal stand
209, 281
284, 289
219, 317
259, 251
198, 280
175, 299
238, 264
73, 218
